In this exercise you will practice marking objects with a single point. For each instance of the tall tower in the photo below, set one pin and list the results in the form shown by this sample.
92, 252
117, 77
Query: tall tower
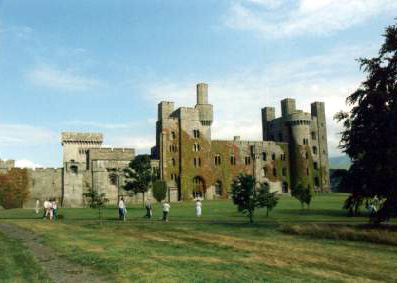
206, 113
75, 165
268, 115
320, 126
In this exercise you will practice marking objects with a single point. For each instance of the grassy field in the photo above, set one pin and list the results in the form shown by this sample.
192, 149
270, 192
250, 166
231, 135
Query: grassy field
317, 244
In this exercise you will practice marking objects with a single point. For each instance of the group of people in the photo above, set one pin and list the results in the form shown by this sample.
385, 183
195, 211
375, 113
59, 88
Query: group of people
149, 212
50, 209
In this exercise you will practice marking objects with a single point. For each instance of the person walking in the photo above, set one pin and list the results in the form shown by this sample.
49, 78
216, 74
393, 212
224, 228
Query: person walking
198, 208
122, 209
55, 210
166, 210
37, 206
148, 209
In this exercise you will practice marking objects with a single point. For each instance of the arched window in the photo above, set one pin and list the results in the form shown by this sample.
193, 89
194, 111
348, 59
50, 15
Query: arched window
218, 188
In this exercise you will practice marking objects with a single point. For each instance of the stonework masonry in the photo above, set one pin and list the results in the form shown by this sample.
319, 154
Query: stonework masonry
293, 151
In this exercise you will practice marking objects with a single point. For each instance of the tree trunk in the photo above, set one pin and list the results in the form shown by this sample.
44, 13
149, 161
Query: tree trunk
251, 217
267, 212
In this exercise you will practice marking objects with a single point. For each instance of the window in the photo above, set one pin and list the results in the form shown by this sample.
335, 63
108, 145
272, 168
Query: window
197, 162
315, 165
196, 147
196, 134
232, 160
316, 181
173, 161
284, 171
217, 159
285, 187
247, 160
307, 171
274, 172
113, 179
305, 141
273, 156
307, 155
282, 156
74, 169
173, 135
314, 136
314, 149
264, 156
264, 172
173, 148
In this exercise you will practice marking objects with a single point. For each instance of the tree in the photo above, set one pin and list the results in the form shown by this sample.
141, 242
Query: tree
303, 194
14, 188
369, 136
159, 190
247, 197
140, 175
97, 200
266, 199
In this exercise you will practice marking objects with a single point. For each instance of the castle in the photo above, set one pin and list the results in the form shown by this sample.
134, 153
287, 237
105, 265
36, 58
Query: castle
293, 151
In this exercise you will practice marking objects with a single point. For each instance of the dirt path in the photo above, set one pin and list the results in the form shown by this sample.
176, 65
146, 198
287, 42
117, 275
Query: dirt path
57, 268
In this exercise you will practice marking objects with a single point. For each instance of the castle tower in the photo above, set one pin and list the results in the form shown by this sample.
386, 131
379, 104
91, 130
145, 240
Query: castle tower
268, 115
288, 106
75, 156
319, 136
206, 113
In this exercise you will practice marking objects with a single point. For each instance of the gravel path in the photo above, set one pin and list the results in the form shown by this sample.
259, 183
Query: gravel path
57, 268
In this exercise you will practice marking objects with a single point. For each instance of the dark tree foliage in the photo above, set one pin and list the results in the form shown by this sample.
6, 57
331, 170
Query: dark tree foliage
96, 201
247, 196
243, 194
264, 198
303, 194
14, 190
159, 190
139, 174
370, 132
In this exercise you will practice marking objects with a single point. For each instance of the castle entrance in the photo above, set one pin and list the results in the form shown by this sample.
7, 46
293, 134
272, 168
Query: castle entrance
199, 187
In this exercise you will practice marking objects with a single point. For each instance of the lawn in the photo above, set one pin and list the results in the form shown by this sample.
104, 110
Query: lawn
220, 246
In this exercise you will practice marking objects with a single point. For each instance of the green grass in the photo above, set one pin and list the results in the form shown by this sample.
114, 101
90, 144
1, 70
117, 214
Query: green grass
17, 264
221, 246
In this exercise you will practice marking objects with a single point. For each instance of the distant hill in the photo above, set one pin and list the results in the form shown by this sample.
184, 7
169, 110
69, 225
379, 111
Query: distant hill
339, 162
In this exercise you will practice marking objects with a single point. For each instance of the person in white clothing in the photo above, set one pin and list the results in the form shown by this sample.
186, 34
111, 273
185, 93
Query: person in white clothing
46, 209
166, 209
37, 206
198, 208
122, 209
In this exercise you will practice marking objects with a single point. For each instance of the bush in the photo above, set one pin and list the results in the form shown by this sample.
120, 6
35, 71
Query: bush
159, 190
14, 189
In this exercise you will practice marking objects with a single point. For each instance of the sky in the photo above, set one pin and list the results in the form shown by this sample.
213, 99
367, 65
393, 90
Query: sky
103, 66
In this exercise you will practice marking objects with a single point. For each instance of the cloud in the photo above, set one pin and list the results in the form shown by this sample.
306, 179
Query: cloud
286, 18
23, 163
238, 97
141, 144
63, 79
92, 124
20, 134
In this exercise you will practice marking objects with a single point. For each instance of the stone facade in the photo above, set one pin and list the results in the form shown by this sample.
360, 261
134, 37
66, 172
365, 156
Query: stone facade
293, 150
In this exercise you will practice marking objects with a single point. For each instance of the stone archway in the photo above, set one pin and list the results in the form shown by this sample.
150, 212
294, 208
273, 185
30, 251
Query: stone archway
218, 189
199, 187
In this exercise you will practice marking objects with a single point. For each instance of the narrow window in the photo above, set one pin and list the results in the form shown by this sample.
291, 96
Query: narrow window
232, 160
307, 155
199, 162
173, 161
173, 136
307, 171
316, 181
282, 156
217, 159
313, 135
314, 149
315, 165
264, 156
273, 156
247, 160
274, 172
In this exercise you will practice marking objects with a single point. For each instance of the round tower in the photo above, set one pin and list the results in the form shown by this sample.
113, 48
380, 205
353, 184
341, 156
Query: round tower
298, 125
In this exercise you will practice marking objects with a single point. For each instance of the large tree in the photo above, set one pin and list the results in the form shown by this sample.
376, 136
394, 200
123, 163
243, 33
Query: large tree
139, 175
369, 136
14, 188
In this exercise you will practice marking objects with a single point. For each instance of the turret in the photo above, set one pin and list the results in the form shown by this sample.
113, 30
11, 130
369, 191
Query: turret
206, 114
202, 93
268, 115
288, 106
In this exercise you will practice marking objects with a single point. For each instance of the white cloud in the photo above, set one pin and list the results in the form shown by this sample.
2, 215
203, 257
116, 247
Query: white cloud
63, 79
303, 17
141, 144
23, 163
92, 124
19, 134
239, 97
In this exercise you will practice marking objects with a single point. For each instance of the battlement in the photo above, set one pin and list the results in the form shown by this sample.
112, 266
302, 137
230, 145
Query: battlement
80, 137
112, 154
50, 169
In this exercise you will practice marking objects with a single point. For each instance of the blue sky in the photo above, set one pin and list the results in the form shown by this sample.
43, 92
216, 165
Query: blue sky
102, 66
